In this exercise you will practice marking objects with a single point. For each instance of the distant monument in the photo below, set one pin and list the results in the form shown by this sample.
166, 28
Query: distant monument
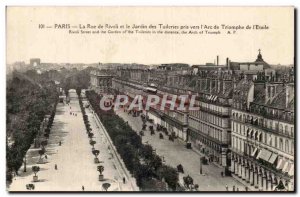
35, 62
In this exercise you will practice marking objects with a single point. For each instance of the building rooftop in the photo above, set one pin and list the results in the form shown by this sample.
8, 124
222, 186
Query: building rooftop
259, 61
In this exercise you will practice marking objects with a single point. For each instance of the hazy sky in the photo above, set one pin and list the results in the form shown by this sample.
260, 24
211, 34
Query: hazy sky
25, 40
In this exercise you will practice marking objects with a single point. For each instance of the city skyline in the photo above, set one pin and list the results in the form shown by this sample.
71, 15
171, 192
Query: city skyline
202, 63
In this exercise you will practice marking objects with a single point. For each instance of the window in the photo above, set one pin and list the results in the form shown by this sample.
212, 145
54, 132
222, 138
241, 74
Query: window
271, 140
243, 129
270, 125
276, 126
280, 128
280, 144
287, 146
276, 142
240, 148
266, 138
260, 137
265, 123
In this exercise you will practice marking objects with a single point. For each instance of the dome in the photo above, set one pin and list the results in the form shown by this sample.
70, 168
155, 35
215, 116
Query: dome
259, 57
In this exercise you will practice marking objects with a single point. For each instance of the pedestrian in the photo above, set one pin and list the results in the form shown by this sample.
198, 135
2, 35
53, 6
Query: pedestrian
59, 143
237, 189
226, 187
233, 188
222, 174
55, 167
124, 180
82, 188
246, 188
46, 157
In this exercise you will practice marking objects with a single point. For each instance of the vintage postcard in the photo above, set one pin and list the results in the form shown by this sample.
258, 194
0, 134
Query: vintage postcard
150, 99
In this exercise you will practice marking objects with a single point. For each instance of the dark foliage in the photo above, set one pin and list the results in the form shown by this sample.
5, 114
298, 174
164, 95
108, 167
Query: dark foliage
140, 159
28, 101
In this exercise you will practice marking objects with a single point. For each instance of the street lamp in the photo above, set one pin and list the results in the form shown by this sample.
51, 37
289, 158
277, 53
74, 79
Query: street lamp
200, 166
25, 163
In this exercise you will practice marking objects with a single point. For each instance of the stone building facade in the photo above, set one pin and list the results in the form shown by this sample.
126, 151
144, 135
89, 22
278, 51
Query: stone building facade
101, 81
263, 132
245, 122
209, 128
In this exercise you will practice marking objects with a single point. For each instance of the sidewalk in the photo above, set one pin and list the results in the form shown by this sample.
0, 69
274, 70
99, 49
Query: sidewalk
74, 158
106, 155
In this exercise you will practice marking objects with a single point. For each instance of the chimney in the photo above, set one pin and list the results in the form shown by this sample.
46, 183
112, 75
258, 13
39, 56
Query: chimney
217, 60
234, 83
287, 94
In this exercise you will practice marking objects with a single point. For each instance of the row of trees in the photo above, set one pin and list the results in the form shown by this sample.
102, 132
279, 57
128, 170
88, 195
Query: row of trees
44, 143
141, 160
28, 102
95, 152
89, 130
50, 122
76, 79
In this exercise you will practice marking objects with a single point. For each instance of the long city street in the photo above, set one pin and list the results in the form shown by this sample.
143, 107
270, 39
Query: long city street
175, 153
74, 159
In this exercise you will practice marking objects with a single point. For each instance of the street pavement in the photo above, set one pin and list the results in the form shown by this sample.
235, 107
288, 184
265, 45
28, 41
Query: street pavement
175, 153
74, 159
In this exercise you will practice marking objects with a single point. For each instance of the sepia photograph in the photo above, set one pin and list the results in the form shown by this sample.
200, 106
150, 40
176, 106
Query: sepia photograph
150, 99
